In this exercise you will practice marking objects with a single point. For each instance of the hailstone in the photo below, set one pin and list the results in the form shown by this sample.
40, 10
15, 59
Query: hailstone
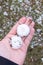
16, 42
23, 30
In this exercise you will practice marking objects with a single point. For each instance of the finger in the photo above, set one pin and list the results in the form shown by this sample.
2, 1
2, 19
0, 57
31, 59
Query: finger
28, 22
29, 38
32, 24
14, 29
21, 21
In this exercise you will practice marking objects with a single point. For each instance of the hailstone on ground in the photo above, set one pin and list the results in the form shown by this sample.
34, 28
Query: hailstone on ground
23, 30
16, 42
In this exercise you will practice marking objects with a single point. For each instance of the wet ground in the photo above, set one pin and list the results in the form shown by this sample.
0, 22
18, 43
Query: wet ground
11, 11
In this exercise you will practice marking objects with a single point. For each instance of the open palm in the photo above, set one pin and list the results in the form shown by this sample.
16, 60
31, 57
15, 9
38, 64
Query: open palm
17, 56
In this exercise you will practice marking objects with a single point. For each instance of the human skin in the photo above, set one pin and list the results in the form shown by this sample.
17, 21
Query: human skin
17, 56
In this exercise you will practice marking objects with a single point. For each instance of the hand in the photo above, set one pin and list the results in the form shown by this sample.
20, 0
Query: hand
17, 56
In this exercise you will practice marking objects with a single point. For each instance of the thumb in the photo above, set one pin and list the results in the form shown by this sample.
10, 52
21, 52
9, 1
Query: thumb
29, 38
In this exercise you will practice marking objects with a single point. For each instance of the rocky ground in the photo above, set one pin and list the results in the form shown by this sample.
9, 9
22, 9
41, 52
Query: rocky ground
11, 11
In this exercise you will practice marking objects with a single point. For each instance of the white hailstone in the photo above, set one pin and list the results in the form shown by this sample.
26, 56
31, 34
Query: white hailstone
20, 0
16, 42
42, 59
5, 13
23, 30
0, 9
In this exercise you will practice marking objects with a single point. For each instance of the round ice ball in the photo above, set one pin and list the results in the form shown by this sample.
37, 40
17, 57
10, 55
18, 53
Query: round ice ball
16, 42
23, 30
